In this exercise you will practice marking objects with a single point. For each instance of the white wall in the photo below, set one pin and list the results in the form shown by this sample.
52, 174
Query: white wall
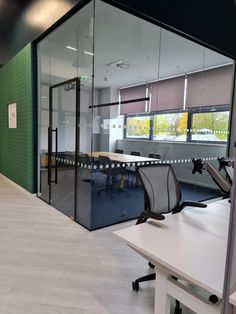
111, 124
179, 152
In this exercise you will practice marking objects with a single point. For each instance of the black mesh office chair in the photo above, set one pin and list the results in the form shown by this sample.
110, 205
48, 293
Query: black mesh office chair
134, 153
119, 151
154, 155
85, 167
162, 195
111, 171
131, 170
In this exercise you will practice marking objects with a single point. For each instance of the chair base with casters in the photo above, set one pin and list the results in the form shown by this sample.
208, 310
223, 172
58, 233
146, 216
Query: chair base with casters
110, 187
111, 172
135, 283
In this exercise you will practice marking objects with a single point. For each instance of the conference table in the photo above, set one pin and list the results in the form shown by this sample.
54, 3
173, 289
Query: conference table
191, 246
124, 158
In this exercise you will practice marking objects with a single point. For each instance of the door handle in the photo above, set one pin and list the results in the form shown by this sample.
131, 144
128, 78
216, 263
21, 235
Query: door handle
56, 154
50, 152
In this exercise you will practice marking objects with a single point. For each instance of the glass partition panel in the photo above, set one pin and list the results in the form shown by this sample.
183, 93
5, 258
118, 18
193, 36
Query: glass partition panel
158, 88
194, 85
126, 58
143, 95
65, 60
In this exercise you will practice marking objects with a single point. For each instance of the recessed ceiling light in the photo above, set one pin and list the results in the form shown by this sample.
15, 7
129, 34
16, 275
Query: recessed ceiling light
88, 53
71, 48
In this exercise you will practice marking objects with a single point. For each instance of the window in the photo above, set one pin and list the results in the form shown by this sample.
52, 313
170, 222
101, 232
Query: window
191, 125
210, 126
138, 127
170, 126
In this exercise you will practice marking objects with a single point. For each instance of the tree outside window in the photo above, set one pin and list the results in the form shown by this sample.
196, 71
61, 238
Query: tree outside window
210, 126
170, 126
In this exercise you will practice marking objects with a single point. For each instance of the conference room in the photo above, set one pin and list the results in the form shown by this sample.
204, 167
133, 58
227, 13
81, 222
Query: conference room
115, 92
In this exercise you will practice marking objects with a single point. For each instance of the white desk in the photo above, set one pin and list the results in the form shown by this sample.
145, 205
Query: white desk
190, 245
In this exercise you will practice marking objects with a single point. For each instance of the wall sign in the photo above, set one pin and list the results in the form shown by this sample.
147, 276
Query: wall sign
12, 123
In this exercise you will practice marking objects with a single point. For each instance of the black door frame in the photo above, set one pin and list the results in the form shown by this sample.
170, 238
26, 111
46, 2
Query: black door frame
75, 80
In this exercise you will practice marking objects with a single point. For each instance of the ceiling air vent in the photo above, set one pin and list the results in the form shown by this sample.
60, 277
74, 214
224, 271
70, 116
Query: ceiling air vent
118, 64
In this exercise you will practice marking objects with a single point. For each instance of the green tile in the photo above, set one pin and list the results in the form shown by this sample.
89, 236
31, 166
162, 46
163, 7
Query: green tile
16, 145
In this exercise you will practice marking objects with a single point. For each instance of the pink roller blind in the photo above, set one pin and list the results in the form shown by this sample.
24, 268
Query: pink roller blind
167, 94
132, 93
210, 87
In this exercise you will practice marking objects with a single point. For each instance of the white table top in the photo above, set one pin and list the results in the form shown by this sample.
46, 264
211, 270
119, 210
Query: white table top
191, 244
123, 157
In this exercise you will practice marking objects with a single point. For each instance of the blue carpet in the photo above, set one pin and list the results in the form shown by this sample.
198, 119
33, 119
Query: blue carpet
197, 193
110, 208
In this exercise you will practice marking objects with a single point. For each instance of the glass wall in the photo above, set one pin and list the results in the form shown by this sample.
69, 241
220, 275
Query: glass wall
65, 62
137, 94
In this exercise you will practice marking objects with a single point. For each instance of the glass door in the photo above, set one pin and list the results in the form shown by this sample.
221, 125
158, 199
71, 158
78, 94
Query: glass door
63, 146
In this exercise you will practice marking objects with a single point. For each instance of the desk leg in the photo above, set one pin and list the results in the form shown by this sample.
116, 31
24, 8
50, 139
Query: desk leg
162, 299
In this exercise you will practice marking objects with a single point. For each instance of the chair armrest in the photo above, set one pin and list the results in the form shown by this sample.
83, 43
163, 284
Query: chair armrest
188, 203
148, 214
194, 204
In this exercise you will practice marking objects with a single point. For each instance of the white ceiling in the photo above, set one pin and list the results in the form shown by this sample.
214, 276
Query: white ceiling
149, 52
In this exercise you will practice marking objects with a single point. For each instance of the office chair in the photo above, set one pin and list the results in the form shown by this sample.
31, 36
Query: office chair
131, 170
119, 151
135, 153
154, 155
85, 166
111, 174
162, 195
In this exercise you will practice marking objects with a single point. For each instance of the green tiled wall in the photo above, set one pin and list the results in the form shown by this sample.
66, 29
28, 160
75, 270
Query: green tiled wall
16, 145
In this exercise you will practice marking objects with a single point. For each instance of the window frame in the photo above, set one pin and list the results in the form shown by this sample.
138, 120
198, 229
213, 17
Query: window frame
190, 112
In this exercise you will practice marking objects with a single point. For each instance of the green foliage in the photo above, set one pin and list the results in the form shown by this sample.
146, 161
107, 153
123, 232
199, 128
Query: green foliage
138, 126
215, 122
161, 124
175, 124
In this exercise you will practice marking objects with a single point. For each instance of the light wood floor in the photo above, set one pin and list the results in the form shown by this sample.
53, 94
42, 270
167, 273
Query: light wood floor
51, 265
